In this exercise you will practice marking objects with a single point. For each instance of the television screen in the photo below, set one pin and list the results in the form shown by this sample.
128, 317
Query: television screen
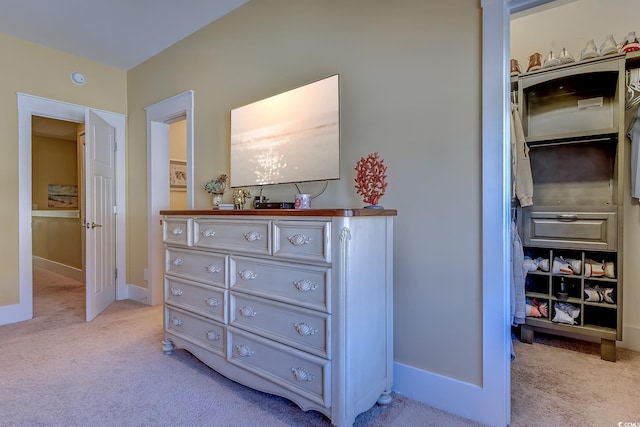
288, 138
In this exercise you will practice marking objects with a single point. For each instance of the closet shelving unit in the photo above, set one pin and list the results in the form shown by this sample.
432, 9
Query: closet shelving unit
573, 120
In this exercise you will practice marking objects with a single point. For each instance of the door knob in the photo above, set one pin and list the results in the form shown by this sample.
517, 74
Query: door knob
94, 225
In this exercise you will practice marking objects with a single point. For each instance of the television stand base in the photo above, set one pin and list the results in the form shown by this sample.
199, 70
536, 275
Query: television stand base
275, 205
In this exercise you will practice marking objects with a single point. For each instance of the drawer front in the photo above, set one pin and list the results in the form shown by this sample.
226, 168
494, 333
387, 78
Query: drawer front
177, 231
581, 230
202, 299
305, 285
198, 330
250, 236
298, 327
302, 373
302, 240
205, 267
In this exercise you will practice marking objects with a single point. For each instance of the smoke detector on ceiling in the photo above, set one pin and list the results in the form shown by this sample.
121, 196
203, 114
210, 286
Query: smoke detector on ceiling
77, 78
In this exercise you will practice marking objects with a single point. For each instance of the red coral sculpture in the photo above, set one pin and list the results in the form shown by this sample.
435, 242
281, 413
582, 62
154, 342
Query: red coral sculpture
370, 178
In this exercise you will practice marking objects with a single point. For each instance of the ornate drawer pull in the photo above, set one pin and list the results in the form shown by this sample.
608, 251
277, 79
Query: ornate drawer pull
247, 275
302, 374
213, 336
177, 321
213, 269
177, 262
207, 233
299, 239
305, 285
212, 302
247, 312
252, 236
176, 292
304, 329
177, 231
243, 350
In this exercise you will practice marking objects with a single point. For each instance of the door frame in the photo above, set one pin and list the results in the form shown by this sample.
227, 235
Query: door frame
31, 105
161, 113
493, 406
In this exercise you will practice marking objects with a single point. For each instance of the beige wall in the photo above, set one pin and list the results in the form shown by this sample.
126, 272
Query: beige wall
410, 89
36, 70
54, 161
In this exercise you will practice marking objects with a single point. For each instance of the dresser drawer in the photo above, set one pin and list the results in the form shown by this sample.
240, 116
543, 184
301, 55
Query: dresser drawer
305, 285
248, 236
304, 329
177, 231
198, 330
300, 372
563, 229
302, 240
202, 299
206, 267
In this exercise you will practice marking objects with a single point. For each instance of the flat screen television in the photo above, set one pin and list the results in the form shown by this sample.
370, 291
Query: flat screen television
288, 138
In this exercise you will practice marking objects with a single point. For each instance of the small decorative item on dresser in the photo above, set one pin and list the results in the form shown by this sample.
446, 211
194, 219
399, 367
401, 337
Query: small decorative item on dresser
371, 174
217, 187
240, 196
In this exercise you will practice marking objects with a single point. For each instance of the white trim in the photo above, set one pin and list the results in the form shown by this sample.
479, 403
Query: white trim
54, 213
136, 293
58, 268
631, 338
29, 105
157, 169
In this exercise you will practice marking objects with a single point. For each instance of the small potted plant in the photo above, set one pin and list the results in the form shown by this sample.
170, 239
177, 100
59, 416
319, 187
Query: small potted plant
217, 187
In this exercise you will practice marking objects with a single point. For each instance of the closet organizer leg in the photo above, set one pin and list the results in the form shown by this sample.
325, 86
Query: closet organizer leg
608, 350
526, 334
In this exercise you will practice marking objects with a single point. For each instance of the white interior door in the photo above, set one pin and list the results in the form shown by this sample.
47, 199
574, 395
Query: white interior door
100, 214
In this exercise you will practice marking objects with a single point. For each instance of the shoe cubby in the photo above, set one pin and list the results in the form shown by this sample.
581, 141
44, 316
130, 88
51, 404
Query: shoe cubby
599, 317
565, 288
537, 285
573, 122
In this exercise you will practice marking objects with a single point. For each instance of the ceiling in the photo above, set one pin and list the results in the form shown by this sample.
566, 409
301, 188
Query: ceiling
119, 33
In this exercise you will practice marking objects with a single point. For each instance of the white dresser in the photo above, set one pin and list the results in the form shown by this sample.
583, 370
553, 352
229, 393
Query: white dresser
296, 303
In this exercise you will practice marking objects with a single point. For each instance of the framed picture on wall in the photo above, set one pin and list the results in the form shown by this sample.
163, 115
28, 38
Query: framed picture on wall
177, 175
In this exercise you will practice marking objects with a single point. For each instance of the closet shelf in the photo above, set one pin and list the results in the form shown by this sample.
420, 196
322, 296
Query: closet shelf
589, 137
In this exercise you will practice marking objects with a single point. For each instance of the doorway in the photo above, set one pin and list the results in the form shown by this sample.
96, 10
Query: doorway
159, 118
29, 106
57, 200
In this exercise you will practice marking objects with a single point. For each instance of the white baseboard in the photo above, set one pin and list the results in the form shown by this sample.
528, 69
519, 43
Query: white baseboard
13, 314
56, 267
136, 293
447, 394
630, 338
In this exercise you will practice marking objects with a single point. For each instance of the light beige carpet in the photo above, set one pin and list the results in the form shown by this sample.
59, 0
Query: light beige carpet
58, 370
563, 382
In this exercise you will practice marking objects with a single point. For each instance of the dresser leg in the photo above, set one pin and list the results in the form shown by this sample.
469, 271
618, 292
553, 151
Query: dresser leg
385, 398
167, 346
